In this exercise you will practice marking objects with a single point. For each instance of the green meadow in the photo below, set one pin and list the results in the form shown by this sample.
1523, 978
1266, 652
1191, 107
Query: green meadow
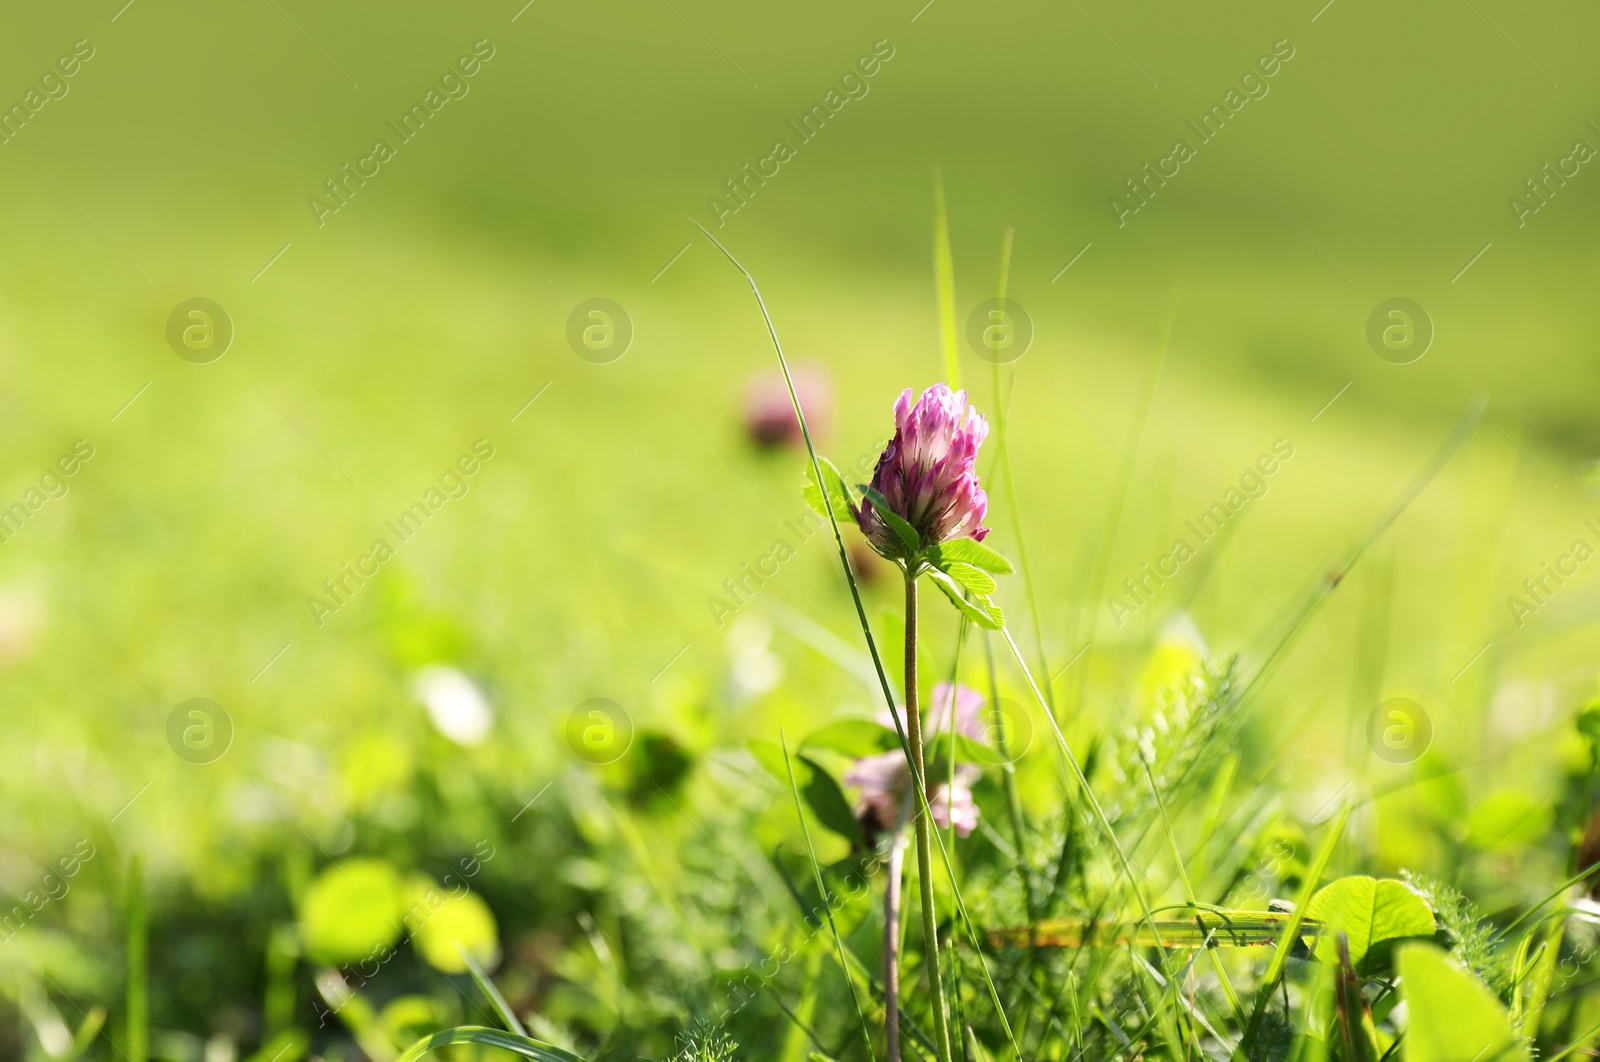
401, 664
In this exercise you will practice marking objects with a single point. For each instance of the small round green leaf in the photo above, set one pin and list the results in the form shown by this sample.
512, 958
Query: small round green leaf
352, 909
1370, 912
440, 924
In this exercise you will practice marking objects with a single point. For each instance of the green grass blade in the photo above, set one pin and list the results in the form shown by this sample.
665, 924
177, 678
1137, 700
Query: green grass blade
1576, 1044
1008, 778
973, 938
137, 1020
950, 734
1002, 465
1280, 957
802, 1017
829, 508
1119, 495
356, 1012
1308, 888
490, 990
288, 1046
1101, 819
822, 894
1559, 890
944, 270
525, 1046
1083, 782
283, 956
1335, 575
1019, 828
1188, 890
909, 1030
88, 1029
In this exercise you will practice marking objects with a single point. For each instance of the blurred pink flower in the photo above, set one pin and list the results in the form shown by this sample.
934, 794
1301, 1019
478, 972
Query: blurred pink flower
769, 417
884, 782
967, 709
928, 474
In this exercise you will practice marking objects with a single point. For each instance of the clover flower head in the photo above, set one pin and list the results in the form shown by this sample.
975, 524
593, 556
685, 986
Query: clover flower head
768, 411
927, 476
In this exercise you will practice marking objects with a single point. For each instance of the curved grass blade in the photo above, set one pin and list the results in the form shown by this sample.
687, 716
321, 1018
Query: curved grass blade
90, 1028
857, 969
1331, 580
526, 1046
1280, 957
1083, 781
1575, 1045
1104, 822
489, 989
1206, 929
822, 894
1556, 892
1188, 889
1335, 575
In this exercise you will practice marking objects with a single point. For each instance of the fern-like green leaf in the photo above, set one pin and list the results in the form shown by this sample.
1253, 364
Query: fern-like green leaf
970, 576
971, 551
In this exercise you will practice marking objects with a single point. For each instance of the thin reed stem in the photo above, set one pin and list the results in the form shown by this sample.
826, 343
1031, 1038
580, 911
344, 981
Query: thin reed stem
891, 946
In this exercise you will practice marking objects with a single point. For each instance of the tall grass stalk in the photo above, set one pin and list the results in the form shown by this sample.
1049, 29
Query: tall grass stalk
137, 1028
944, 280
1119, 494
1002, 464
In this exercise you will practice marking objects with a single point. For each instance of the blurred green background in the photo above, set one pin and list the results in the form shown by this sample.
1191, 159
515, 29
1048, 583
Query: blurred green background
373, 350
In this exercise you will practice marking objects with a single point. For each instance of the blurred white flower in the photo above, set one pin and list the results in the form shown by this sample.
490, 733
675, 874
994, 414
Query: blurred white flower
1179, 630
21, 616
457, 707
1179, 652
1519, 707
755, 667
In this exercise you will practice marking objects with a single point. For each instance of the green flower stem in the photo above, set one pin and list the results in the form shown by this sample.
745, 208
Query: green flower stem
924, 829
